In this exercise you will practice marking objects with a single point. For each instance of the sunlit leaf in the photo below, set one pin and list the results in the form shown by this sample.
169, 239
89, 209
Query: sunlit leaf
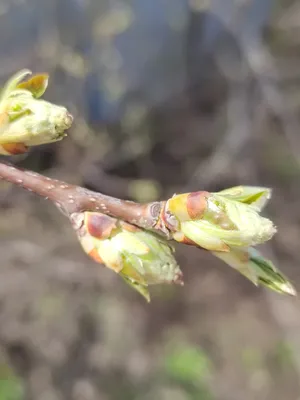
141, 289
255, 196
37, 85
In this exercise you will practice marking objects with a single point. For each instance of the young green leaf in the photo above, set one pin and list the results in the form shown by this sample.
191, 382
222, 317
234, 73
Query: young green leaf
37, 85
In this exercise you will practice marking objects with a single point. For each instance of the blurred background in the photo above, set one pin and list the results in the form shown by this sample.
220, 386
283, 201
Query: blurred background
168, 96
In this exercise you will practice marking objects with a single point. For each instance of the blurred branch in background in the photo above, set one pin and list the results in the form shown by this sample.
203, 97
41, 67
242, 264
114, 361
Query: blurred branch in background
263, 73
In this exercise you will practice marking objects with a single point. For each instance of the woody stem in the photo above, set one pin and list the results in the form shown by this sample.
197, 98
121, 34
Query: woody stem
72, 199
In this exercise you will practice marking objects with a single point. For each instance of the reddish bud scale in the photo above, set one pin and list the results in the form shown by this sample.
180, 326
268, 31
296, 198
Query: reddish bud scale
94, 254
196, 204
166, 222
99, 225
189, 242
13, 149
180, 208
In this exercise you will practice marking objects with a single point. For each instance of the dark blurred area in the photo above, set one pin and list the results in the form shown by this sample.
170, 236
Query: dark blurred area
168, 96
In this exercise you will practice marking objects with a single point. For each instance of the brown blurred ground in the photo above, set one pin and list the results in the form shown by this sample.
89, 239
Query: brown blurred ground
192, 111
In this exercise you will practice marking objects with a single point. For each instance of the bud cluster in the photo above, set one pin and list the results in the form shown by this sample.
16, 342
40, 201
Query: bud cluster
25, 119
141, 258
228, 224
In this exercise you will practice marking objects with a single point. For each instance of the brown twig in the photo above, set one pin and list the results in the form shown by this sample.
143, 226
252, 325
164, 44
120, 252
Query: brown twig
72, 199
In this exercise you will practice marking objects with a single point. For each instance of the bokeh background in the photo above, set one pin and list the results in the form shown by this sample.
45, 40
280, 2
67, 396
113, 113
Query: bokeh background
168, 96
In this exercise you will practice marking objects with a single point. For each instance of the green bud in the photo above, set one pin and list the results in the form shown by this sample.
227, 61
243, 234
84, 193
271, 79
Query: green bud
141, 258
27, 120
255, 196
250, 263
142, 289
216, 221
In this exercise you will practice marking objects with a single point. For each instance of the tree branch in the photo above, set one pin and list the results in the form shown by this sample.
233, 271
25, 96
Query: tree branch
72, 199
